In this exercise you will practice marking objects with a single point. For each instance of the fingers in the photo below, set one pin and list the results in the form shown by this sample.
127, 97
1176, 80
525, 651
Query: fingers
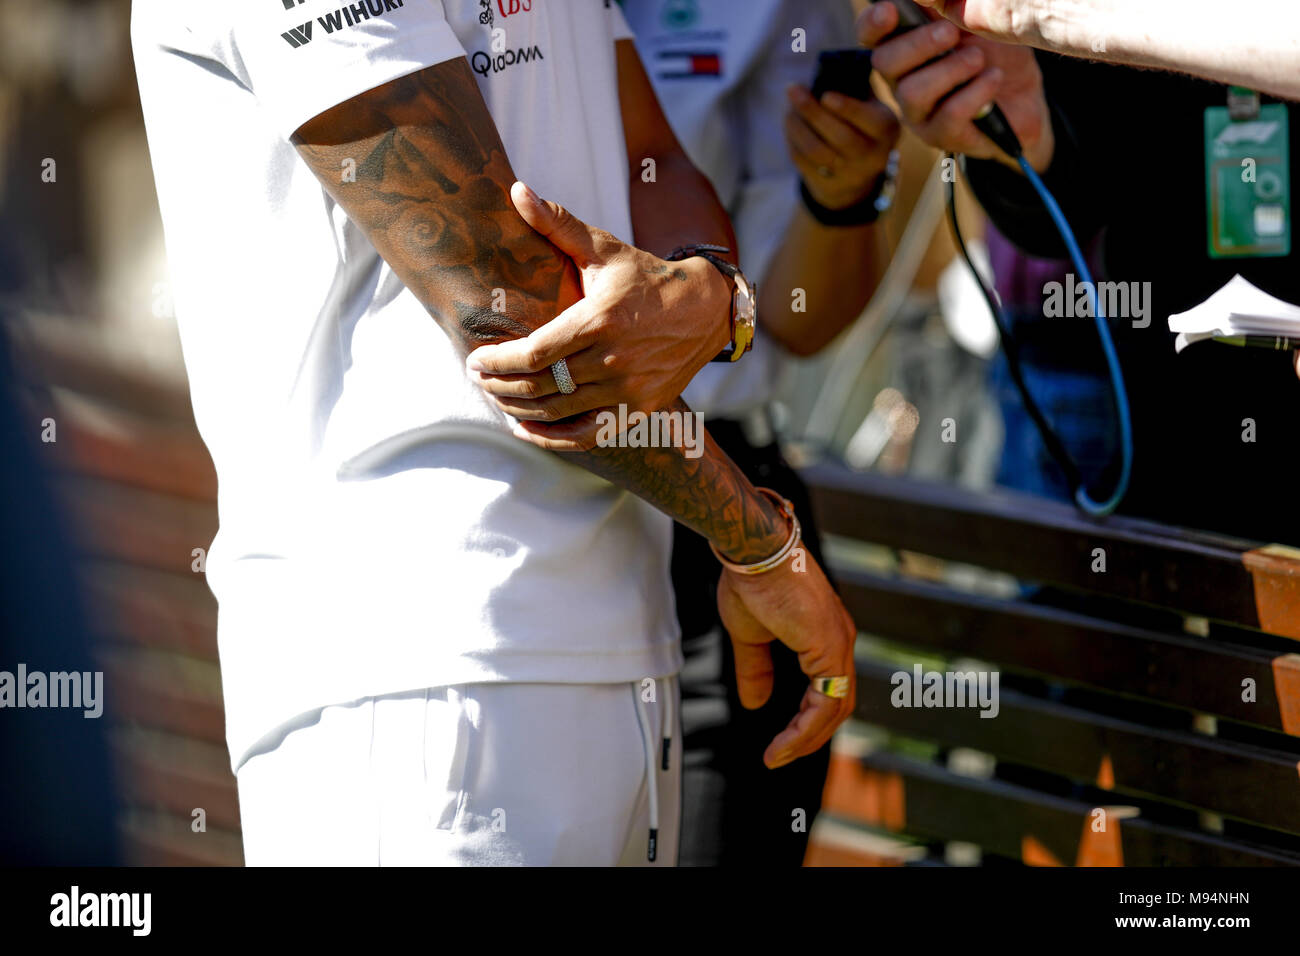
811, 728
832, 130
810, 152
898, 57
751, 643
571, 436
581, 242
953, 123
557, 407
919, 93
872, 118
585, 368
819, 715
875, 23
567, 334
755, 675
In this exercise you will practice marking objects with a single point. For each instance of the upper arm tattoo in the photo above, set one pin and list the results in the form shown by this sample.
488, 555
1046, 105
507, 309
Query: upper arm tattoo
419, 165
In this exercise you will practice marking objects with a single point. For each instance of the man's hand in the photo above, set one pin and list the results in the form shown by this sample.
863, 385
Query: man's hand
799, 609
642, 330
840, 145
1009, 20
939, 101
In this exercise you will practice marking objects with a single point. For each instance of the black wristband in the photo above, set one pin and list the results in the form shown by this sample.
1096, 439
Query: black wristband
861, 213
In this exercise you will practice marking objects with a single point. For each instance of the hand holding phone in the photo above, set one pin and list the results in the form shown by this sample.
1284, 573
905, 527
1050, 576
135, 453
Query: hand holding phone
840, 135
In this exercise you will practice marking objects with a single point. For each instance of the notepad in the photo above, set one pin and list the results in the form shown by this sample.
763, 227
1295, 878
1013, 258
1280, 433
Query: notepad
1239, 314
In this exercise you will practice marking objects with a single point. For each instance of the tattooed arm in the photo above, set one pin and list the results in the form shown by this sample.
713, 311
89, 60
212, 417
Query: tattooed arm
433, 194
672, 204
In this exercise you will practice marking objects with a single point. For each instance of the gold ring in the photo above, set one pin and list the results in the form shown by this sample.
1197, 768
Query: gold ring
837, 687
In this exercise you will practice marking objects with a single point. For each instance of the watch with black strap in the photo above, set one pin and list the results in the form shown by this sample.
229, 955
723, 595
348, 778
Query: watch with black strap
863, 212
744, 298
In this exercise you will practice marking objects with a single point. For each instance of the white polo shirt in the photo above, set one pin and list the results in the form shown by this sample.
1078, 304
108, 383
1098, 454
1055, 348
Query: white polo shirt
380, 529
720, 69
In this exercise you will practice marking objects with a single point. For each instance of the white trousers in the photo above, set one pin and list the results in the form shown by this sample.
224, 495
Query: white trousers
476, 774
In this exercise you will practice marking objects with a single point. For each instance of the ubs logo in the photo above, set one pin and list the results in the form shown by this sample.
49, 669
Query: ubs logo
510, 7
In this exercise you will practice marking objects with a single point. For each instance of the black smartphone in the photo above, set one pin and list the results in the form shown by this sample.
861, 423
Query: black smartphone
910, 16
844, 71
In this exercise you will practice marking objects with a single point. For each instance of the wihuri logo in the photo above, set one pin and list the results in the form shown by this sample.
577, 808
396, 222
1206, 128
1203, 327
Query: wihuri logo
57, 689
75, 908
625, 429
951, 689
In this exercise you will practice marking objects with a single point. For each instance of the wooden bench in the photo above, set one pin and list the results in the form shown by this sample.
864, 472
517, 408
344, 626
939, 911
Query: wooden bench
1123, 698
1148, 714
140, 497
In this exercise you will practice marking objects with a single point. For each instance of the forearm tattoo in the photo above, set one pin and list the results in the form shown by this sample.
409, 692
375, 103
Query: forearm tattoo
419, 166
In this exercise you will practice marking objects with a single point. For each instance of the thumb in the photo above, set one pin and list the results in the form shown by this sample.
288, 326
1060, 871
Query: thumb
577, 240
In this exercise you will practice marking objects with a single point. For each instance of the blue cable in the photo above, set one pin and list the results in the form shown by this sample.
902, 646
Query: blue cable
1081, 496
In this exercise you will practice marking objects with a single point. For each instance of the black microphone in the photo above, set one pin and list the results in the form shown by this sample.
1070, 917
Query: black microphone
991, 122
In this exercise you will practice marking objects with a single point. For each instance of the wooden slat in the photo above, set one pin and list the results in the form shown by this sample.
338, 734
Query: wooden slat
71, 361
162, 840
153, 609
135, 698
178, 788
1005, 819
126, 524
1193, 673
139, 453
1254, 784
1192, 572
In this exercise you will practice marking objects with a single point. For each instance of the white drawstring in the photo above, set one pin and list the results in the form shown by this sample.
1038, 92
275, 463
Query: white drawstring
668, 720
647, 745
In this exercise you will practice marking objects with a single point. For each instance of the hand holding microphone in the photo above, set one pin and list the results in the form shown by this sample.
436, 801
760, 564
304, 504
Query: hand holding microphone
945, 79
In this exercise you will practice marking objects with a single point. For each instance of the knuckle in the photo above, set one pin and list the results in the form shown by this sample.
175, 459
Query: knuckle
885, 62
562, 215
614, 319
909, 100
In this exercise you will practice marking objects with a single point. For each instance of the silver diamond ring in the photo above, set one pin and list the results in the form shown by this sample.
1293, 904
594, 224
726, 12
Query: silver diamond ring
563, 380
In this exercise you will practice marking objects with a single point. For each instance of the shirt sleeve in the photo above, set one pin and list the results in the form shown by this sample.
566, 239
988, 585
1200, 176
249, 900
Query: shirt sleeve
301, 58
618, 22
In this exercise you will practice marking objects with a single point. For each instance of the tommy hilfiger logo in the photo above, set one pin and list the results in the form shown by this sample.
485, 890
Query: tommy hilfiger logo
689, 64
348, 15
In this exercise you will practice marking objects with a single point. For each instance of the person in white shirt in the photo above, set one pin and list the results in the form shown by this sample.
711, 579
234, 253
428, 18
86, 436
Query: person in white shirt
440, 644
733, 79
